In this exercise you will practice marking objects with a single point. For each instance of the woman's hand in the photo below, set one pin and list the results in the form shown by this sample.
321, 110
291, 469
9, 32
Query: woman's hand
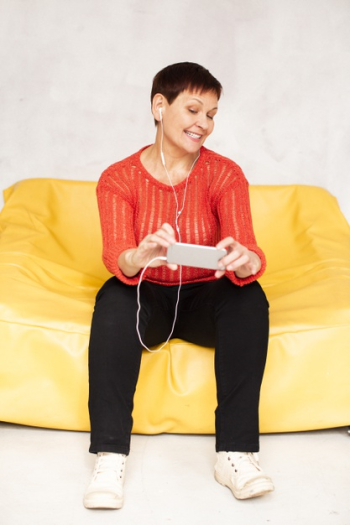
153, 245
238, 259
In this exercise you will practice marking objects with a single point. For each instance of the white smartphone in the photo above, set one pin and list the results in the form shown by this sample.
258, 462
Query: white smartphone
195, 255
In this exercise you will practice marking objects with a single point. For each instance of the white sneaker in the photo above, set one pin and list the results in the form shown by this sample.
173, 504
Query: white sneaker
105, 490
241, 472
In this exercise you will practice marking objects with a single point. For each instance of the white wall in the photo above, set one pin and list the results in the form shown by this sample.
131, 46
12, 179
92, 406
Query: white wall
76, 75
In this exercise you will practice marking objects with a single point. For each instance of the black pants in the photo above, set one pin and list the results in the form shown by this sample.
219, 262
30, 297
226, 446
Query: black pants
230, 318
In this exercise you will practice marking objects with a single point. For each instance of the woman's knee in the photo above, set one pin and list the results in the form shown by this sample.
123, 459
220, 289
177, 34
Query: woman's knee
254, 295
115, 304
250, 296
114, 292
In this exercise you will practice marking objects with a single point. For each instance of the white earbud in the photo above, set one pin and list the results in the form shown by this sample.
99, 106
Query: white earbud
160, 113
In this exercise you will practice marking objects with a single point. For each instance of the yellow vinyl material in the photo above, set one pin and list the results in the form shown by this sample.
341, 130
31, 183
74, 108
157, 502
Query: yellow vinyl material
51, 269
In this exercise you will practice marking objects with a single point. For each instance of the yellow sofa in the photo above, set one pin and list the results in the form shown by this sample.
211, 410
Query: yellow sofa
51, 269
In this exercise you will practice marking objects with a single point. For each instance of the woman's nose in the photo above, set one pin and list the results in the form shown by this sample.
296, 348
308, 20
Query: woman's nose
202, 121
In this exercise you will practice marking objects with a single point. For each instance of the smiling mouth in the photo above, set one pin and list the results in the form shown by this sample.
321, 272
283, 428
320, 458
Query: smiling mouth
193, 135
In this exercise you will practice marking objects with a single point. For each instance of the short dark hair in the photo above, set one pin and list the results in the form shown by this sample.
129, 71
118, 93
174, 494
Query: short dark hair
176, 78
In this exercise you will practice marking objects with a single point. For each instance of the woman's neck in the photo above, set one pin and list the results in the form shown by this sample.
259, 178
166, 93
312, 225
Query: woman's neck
177, 167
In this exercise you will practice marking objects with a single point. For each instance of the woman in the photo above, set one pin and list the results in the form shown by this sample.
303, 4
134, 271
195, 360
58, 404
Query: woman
172, 190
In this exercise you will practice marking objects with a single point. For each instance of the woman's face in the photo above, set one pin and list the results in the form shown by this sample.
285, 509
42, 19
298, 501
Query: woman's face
189, 120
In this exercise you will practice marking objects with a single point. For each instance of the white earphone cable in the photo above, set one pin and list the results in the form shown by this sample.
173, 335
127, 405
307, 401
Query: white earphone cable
177, 216
139, 309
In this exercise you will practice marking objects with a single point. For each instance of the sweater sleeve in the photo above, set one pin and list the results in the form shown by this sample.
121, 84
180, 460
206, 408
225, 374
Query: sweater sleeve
116, 210
234, 212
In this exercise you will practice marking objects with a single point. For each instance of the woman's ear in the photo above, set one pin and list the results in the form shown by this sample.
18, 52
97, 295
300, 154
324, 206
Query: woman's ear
158, 107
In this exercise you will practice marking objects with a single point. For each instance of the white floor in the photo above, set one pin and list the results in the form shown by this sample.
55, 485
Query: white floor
170, 480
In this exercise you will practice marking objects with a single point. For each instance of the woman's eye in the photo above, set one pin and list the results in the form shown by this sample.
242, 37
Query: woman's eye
195, 112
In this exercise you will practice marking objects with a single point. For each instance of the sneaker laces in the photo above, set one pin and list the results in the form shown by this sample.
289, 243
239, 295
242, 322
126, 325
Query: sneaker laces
245, 467
245, 459
109, 467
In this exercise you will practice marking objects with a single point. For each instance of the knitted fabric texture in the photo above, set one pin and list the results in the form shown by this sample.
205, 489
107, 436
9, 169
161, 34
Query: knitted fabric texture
133, 204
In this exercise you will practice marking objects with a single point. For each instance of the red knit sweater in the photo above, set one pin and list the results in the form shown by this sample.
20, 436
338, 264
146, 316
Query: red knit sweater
133, 204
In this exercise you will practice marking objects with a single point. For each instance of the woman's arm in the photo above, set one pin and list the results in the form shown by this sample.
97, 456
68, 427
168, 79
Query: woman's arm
245, 261
154, 245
